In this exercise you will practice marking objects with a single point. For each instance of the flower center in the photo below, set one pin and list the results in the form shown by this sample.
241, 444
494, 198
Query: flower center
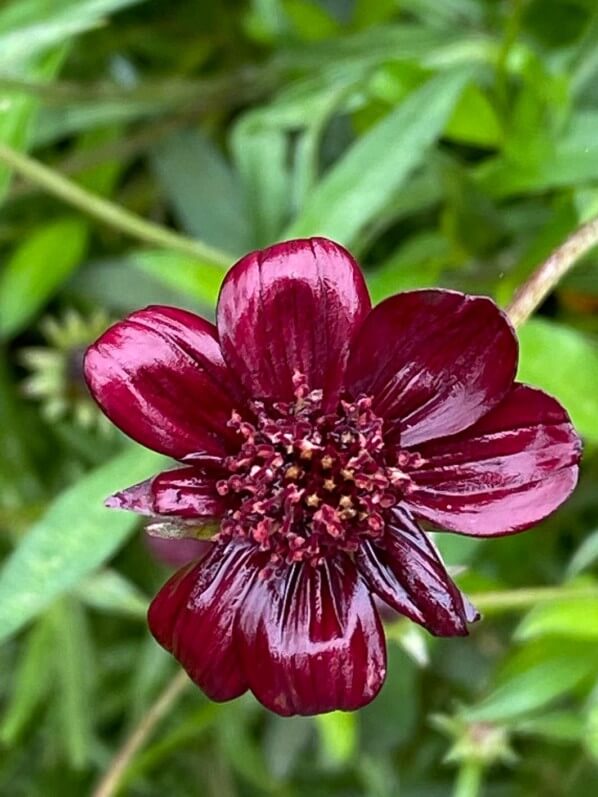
305, 483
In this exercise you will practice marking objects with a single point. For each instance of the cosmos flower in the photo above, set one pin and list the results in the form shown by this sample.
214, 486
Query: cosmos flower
314, 433
55, 368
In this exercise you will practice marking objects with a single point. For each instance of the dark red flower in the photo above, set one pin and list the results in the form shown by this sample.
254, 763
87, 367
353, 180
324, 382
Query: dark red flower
316, 430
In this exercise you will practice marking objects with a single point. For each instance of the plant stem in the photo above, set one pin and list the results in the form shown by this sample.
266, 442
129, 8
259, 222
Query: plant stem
107, 212
469, 779
495, 602
112, 778
548, 274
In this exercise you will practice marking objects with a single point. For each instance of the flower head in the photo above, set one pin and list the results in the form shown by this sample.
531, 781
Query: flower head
56, 369
315, 432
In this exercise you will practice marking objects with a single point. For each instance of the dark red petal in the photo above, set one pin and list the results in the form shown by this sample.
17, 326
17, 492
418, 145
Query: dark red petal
194, 617
177, 553
510, 470
159, 376
311, 640
137, 498
292, 307
435, 361
188, 493
407, 572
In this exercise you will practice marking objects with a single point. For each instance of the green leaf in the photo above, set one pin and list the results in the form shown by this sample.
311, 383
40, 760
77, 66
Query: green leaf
338, 737
73, 660
535, 677
585, 555
111, 592
39, 26
563, 362
76, 535
566, 617
474, 120
360, 184
204, 192
558, 726
37, 268
260, 153
536, 162
31, 683
19, 109
591, 732
382, 730
285, 742
416, 264
187, 275
309, 20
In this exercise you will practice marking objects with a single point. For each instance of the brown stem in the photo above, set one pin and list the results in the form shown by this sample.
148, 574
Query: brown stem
548, 274
112, 778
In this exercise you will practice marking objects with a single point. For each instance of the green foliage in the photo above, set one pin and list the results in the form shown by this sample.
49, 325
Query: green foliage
570, 372
26, 282
446, 143
355, 190
75, 535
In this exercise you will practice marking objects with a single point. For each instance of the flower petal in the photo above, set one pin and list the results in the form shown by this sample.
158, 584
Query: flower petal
510, 470
292, 307
435, 361
177, 553
137, 498
194, 617
406, 571
159, 376
188, 493
311, 640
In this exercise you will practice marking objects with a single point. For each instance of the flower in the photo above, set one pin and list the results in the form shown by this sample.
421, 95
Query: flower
56, 369
317, 431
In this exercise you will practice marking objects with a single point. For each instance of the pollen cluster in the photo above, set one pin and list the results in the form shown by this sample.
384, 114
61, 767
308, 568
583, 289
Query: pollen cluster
307, 483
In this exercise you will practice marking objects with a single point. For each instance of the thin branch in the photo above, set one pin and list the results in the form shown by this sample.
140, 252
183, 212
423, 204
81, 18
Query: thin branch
112, 778
107, 212
494, 602
548, 274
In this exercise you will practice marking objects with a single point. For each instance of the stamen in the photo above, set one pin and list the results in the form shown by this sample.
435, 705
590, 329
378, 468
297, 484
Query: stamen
308, 483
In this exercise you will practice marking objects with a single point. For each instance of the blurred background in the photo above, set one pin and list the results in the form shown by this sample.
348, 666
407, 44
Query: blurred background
448, 143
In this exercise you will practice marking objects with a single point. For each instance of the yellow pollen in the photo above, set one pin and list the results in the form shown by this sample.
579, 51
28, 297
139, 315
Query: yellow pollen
313, 500
346, 502
347, 474
293, 472
347, 514
329, 484
327, 462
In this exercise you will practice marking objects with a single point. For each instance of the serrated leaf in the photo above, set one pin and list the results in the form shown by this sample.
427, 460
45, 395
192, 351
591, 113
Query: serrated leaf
75, 535
360, 184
